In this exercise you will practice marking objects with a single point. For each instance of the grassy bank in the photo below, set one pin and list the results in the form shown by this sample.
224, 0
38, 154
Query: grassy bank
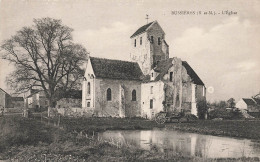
89, 125
31, 140
232, 128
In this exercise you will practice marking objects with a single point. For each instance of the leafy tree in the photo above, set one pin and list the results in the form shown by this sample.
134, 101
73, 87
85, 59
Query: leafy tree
45, 58
231, 103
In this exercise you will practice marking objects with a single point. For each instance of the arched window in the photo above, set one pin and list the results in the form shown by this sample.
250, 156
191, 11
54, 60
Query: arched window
109, 95
88, 87
134, 95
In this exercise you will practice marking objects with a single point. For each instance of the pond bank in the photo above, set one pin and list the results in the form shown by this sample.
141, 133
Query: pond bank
231, 128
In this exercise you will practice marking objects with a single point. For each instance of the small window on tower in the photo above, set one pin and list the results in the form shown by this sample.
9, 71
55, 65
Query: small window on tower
151, 89
159, 41
88, 104
171, 74
151, 39
151, 103
135, 42
141, 41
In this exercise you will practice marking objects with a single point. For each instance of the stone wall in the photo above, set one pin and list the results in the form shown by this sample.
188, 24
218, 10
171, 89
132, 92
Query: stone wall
2, 99
157, 50
141, 53
68, 103
152, 91
200, 95
5, 100
112, 108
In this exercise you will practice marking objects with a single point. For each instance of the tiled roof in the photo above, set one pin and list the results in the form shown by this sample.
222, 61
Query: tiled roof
249, 101
4, 91
164, 65
141, 29
116, 69
75, 94
257, 100
17, 99
194, 77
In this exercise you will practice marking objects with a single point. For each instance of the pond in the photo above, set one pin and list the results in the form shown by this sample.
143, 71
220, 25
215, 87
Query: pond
189, 144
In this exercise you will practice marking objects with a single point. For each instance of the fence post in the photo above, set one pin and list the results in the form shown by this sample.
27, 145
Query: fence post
59, 121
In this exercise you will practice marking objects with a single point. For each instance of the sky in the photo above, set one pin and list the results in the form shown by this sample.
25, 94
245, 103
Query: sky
223, 49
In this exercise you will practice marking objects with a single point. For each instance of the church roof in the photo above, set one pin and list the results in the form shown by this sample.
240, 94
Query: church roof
116, 69
164, 65
141, 29
194, 77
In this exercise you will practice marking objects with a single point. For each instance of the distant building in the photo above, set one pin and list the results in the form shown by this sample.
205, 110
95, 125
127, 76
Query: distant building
249, 104
18, 102
35, 99
5, 99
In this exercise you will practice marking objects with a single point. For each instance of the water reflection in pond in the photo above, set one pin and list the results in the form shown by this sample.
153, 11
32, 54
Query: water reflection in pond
190, 144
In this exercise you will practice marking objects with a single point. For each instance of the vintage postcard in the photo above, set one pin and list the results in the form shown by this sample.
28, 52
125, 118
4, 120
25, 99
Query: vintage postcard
141, 80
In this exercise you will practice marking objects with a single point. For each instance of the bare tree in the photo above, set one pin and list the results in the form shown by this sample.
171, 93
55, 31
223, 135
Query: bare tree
44, 56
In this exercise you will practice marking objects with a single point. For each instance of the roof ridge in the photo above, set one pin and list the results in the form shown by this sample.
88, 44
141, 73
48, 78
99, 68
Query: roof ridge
142, 29
5, 91
112, 59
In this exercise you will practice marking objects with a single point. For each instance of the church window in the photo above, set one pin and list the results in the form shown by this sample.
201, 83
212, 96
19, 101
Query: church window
88, 104
88, 87
135, 42
151, 103
171, 74
109, 95
141, 41
151, 39
152, 74
159, 41
151, 89
134, 95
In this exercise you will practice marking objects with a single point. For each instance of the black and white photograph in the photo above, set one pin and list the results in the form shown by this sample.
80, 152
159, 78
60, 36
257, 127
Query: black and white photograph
129, 80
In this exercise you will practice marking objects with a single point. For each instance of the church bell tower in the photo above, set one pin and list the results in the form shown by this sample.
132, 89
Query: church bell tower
148, 46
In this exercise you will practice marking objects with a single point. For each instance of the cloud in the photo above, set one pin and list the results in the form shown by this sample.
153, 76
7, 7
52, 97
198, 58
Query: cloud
225, 56
112, 41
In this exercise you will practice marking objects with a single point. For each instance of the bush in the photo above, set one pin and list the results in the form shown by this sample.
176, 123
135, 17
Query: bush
202, 108
223, 113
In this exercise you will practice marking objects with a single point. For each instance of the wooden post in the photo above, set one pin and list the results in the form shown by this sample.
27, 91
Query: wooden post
59, 120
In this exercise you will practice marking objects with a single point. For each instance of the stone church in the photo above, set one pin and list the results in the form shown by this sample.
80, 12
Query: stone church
151, 82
